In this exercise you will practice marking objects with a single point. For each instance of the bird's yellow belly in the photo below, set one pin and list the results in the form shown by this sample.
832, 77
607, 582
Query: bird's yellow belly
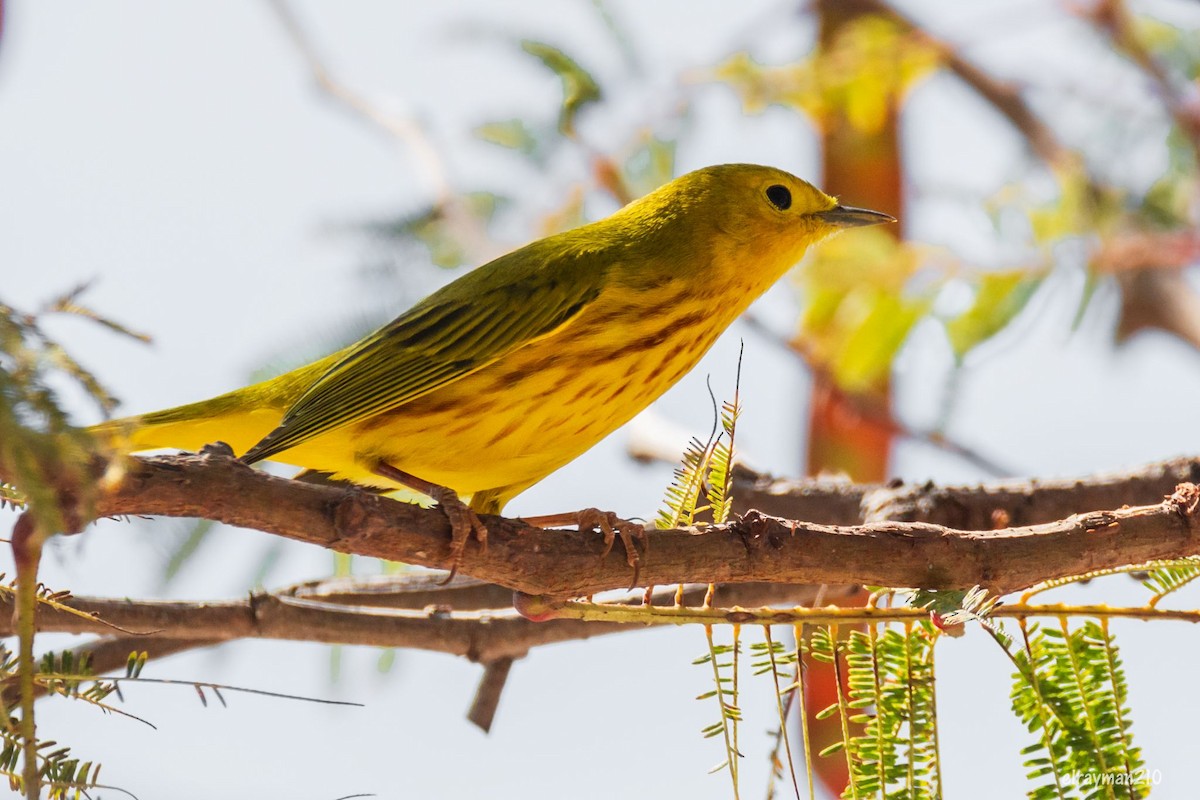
521, 418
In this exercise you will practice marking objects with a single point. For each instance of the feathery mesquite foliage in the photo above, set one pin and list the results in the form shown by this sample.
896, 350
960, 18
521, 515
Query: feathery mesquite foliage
771, 656
1170, 578
62, 774
1070, 692
706, 471
890, 678
723, 658
45, 453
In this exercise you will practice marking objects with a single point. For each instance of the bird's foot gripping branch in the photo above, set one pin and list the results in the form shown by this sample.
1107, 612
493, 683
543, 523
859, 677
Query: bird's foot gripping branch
607, 523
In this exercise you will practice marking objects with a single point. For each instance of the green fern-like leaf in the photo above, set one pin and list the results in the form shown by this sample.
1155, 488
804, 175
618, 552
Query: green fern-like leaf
71, 675
682, 496
1070, 691
720, 465
769, 656
826, 648
777, 656
707, 470
62, 774
724, 661
821, 645
1172, 577
891, 691
579, 87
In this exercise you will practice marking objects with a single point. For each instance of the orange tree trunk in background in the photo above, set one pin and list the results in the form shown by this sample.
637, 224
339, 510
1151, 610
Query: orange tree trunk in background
863, 168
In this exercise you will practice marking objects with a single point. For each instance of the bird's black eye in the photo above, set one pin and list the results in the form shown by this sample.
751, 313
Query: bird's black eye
779, 196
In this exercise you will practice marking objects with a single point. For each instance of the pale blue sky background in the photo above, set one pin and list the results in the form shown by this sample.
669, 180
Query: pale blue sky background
176, 155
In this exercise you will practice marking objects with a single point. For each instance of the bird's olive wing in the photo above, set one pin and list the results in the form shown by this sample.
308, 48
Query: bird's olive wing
449, 335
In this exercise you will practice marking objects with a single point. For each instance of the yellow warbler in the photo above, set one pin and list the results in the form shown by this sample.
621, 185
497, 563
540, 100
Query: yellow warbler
501, 377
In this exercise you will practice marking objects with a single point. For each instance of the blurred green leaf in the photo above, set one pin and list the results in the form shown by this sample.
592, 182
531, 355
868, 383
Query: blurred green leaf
1091, 282
650, 166
386, 661
999, 297
1178, 49
856, 314
858, 76
877, 326
579, 88
1169, 200
511, 133
445, 230
1081, 207
197, 534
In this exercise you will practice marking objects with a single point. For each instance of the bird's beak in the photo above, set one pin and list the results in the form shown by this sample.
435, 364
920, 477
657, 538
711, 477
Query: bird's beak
849, 217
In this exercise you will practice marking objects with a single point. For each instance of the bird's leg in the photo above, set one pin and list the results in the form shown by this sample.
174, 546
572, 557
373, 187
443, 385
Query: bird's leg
463, 520
612, 526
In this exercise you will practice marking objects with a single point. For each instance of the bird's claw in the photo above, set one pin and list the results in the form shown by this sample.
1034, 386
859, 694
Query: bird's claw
608, 523
613, 527
463, 522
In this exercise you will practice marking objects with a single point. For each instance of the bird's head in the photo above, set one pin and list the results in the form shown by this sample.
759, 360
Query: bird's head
771, 217
747, 223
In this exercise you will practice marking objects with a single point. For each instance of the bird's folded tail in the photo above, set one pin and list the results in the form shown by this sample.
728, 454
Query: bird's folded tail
228, 418
240, 418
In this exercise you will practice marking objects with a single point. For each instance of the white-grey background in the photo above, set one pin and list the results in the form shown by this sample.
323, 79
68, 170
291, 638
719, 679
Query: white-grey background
176, 155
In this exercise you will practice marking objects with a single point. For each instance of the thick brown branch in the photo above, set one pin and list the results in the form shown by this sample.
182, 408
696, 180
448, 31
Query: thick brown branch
569, 563
480, 636
979, 507
830, 501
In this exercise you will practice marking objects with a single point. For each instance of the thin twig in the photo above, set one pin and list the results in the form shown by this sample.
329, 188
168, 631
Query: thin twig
486, 636
836, 615
27, 542
398, 127
1113, 19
